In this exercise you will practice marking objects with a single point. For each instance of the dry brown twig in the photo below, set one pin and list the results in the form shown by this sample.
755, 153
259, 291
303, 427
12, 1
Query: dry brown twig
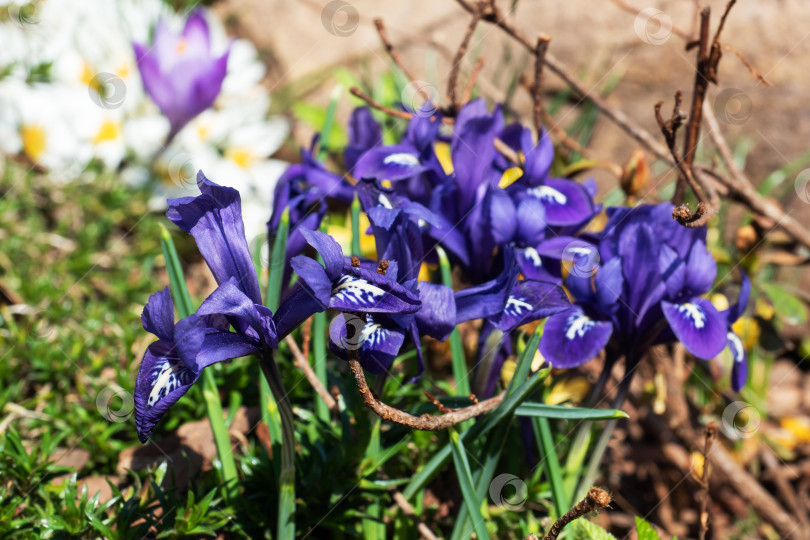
452, 80
710, 434
595, 499
303, 365
476, 71
405, 115
392, 52
425, 422
408, 510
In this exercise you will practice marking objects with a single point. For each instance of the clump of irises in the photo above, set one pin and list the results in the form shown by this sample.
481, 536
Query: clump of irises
473, 197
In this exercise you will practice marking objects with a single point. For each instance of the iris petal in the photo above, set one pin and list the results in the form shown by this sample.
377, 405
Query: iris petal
571, 339
698, 325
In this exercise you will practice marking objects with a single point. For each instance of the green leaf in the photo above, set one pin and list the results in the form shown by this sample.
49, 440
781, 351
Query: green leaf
545, 441
277, 260
465, 482
562, 412
315, 117
788, 306
645, 530
592, 531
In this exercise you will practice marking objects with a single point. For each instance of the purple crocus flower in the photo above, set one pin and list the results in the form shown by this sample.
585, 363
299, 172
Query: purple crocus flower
175, 362
647, 289
179, 71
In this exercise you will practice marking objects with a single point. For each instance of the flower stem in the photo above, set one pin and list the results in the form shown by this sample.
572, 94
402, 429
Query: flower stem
286, 502
459, 362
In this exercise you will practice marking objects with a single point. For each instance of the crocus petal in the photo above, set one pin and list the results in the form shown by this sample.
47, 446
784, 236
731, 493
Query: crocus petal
530, 300
162, 380
739, 370
365, 291
698, 325
437, 317
196, 31
214, 219
158, 315
565, 201
328, 249
389, 163
571, 339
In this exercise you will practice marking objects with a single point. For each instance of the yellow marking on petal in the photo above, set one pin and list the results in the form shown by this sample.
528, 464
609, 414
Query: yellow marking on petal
538, 361
424, 272
509, 177
33, 141
720, 301
442, 150
368, 246
109, 131
748, 330
386, 184
508, 371
574, 389
241, 156
182, 45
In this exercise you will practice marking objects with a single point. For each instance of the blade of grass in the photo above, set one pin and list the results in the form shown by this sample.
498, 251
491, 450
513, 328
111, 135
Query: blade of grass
319, 352
465, 481
561, 412
329, 122
459, 362
545, 442
479, 429
182, 299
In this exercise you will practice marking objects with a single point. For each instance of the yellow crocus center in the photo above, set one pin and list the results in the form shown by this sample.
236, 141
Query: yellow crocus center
240, 156
109, 131
33, 141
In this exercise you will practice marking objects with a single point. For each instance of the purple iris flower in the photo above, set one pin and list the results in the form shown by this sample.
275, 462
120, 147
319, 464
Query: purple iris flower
647, 289
173, 364
179, 71
339, 285
365, 133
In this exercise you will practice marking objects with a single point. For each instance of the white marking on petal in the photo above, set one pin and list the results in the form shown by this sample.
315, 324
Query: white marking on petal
577, 325
736, 346
356, 291
548, 194
531, 254
693, 312
385, 201
579, 250
515, 306
402, 159
166, 379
